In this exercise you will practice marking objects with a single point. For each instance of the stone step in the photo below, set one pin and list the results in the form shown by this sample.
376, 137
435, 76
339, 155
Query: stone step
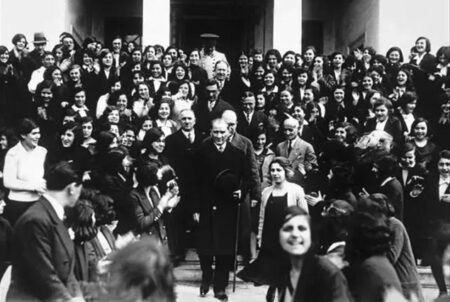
189, 272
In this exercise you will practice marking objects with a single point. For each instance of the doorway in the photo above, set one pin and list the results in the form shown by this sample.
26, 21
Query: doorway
130, 29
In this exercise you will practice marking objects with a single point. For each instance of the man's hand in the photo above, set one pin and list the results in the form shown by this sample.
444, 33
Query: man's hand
253, 203
237, 194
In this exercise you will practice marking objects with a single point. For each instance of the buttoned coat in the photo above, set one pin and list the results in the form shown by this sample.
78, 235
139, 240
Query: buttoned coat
148, 218
44, 257
218, 214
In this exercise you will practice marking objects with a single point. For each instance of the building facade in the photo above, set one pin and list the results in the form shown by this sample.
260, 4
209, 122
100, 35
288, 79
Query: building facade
242, 24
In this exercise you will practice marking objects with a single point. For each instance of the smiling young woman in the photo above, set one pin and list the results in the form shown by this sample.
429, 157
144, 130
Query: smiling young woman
23, 173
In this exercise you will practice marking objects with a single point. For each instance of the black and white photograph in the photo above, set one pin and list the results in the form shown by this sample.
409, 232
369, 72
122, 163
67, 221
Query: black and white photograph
225, 150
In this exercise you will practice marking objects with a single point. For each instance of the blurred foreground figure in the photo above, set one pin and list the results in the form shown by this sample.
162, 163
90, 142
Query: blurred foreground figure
142, 271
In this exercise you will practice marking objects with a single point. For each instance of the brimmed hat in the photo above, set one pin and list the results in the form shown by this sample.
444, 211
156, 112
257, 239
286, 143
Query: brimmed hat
225, 183
39, 38
209, 36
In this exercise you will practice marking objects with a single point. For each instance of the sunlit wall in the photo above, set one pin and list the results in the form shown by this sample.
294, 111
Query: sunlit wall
30, 16
402, 21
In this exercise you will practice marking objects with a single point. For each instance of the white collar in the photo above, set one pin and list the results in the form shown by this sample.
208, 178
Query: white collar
76, 108
386, 181
59, 209
221, 148
443, 180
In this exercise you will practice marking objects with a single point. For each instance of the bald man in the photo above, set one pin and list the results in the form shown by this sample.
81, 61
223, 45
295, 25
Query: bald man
299, 152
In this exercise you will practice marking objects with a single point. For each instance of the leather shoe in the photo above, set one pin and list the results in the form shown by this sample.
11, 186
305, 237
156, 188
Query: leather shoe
204, 289
222, 296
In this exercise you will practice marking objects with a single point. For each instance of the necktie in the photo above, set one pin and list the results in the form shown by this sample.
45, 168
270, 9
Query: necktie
289, 147
248, 118
211, 106
190, 137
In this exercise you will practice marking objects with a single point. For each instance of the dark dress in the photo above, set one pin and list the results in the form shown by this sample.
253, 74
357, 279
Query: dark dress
266, 268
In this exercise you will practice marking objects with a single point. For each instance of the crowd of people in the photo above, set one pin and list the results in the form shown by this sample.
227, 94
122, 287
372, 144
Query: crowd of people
328, 174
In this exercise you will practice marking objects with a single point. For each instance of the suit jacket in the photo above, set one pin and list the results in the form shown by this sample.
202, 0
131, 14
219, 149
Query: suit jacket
217, 227
148, 218
435, 211
181, 153
117, 188
393, 127
258, 121
245, 145
204, 116
43, 256
301, 157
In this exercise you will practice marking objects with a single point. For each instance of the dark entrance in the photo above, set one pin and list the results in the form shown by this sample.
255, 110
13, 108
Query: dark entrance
233, 20
128, 28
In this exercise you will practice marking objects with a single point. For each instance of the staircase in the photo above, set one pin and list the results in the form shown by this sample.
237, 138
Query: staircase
189, 273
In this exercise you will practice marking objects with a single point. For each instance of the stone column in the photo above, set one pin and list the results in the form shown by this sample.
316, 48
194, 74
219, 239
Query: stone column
156, 22
287, 25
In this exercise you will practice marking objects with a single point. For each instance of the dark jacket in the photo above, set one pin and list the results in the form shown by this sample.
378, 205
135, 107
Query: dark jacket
394, 191
204, 116
217, 227
367, 279
148, 218
258, 122
319, 281
180, 153
43, 256
393, 127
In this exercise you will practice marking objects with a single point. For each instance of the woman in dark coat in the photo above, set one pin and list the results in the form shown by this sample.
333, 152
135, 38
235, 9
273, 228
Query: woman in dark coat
10, 87
368, 242
412, 178
436, 211
400, 252
115, 179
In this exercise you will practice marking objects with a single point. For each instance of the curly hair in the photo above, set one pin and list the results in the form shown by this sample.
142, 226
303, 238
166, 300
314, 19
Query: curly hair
369, 235
82, 222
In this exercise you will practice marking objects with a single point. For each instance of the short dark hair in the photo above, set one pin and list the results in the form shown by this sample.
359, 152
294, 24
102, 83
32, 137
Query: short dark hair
211, 82
26, 126
60, 175
427, 43
146, 174
387, 166
80, 217
444, 154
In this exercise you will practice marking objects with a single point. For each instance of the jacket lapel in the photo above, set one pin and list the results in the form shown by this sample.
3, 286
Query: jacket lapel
61, 229
143, 200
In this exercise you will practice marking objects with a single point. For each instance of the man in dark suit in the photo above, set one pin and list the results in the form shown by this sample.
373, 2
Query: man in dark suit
249, 120
180, 150
209, 108
252, 196
385, 170
43, 258
222, 176
36, 55
436, 210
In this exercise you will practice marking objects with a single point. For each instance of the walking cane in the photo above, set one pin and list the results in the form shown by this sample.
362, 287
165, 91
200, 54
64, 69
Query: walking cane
236, 246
